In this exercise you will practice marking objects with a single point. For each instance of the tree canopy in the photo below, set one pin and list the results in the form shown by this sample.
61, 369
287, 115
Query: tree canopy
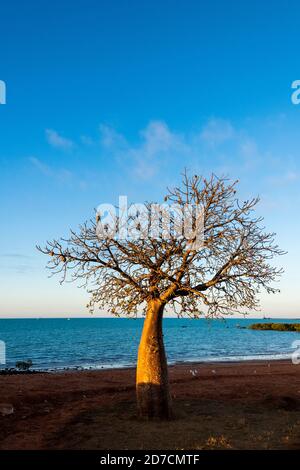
223, 276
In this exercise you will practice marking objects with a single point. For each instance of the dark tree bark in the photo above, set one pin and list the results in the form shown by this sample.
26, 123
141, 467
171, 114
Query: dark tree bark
152, 384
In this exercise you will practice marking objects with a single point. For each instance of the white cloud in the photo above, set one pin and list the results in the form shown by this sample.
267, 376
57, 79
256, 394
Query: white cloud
292, 176
157, 146
249, 148
111, 139
15, 255
42, 167
216, 145
217, 131
86, 140
60, 174
286, 178
57, 141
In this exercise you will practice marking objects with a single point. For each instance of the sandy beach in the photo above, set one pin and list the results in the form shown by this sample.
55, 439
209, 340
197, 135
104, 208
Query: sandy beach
253, 405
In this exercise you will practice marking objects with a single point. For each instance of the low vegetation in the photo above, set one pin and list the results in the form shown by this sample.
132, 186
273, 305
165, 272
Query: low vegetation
24, 365
276, 326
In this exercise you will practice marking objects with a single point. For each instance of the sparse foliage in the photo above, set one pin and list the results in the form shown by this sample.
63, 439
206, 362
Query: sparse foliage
223, 277
24, 365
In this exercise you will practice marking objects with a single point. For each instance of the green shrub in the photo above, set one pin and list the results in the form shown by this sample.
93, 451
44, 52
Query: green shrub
275, 326
24, 365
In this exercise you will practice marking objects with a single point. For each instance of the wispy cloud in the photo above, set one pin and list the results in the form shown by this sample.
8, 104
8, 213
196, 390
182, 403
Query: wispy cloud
42, 167
16, 262
17, 268
159, 147
58, 141
216, 146
15, 255
217, 131
288, 177
86, 140
156, 146
60, 174
111, 139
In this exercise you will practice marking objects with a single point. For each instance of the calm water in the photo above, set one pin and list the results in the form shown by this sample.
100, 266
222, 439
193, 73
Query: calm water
106, 343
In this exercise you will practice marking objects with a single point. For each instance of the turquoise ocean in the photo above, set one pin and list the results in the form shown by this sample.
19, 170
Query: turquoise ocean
95, 343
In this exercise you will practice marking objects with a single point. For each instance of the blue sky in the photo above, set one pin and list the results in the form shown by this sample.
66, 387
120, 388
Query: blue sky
115, 97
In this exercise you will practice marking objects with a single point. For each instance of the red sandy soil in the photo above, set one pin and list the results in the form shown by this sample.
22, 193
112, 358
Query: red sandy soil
253, 405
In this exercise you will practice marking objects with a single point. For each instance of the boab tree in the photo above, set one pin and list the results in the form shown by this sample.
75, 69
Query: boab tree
126, 276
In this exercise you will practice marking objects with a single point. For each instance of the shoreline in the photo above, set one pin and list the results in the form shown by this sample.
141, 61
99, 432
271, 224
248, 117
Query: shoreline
13, 371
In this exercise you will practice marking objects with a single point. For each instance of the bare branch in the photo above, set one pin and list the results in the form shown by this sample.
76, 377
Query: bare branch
222, 277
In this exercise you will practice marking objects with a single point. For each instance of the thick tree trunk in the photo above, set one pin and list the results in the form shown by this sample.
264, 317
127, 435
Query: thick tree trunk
152, 384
